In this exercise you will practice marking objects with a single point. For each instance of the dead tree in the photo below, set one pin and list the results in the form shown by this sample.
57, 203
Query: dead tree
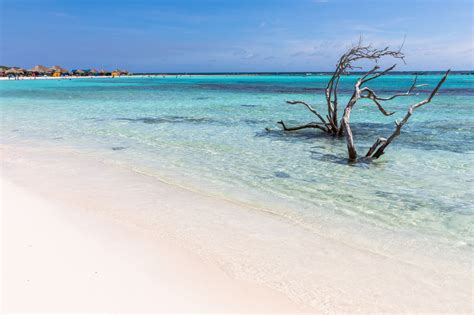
332, 126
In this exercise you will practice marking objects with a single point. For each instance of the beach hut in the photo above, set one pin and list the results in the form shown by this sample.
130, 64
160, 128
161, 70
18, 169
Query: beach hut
116, 73
2, 70
58, 71
104, 72
87, 71
40, 70
15, 71
93, 72
79, 72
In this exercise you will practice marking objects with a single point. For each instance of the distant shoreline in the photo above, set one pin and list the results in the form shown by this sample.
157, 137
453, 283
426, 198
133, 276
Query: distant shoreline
20, 78
181, 74
302, 73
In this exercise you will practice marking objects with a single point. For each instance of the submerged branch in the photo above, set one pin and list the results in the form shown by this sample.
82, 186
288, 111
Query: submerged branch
376, 144
307, 126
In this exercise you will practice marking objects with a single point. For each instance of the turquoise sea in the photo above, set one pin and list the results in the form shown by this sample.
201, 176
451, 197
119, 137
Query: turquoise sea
218, 133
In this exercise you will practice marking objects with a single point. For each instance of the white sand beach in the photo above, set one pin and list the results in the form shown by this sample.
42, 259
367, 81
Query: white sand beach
151, 75
77, 236
55, 261
21, 78
58, 256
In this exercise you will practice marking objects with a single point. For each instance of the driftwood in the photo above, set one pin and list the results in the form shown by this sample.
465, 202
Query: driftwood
332, 126
381, 143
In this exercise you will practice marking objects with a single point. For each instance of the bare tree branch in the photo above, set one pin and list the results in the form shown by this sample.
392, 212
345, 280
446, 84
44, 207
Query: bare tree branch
380, 107
399, 125
307, 126
335, 101
375, 68
372, 96
378, 142
345, 63
378, 74
407, 93
345, 126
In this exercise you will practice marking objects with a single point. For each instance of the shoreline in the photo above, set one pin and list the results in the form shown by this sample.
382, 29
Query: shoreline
244, 74
25, 78
335, 277
160, 76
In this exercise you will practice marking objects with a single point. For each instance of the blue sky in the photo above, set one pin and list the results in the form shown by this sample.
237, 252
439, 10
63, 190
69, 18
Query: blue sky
227, 35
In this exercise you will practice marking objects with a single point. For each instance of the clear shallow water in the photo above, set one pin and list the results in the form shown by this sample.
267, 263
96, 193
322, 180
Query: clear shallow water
209, 133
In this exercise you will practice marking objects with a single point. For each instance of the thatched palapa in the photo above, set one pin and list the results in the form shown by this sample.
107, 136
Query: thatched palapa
58, 69
15, 71
39, 69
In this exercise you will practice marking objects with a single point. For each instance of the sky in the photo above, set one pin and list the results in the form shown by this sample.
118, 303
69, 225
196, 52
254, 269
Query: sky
231, 36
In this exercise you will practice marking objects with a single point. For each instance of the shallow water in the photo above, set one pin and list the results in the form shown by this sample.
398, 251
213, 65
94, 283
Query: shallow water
209, 133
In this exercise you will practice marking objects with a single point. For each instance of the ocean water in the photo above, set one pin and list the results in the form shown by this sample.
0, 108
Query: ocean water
218, 134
